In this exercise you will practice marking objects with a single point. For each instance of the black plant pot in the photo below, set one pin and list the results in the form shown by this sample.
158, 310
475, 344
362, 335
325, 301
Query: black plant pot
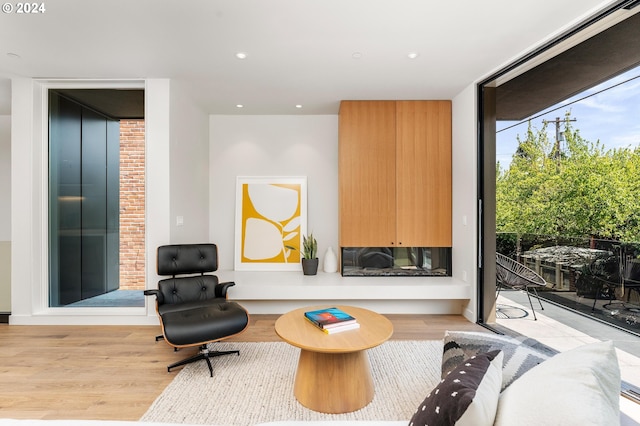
310, 266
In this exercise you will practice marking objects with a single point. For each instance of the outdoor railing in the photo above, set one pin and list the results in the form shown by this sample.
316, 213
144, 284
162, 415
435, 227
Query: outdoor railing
596, 276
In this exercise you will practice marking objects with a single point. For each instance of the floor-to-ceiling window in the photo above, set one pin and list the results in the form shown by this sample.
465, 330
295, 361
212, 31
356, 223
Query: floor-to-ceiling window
562, 175
567, 200
572, 63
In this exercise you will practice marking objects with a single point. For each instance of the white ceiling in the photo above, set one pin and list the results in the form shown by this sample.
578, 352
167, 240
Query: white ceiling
299, 51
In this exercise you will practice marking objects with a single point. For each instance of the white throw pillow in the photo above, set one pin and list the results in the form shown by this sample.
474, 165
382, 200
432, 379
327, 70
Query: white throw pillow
577, 387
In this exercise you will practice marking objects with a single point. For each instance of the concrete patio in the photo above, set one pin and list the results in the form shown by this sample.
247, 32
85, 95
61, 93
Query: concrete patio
563, 329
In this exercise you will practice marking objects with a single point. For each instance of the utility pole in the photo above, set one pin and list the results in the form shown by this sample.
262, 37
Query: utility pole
559, 137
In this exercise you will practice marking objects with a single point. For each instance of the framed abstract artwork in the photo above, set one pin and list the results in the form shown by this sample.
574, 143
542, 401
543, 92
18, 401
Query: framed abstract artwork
271, 218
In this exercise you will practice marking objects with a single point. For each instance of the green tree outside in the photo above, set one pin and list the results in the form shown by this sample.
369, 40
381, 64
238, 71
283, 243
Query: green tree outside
583, 190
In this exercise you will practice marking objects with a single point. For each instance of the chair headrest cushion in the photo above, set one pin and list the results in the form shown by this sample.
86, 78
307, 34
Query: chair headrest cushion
179, 259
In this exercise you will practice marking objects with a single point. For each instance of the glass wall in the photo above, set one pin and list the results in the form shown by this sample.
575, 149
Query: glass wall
83, 202
596, 277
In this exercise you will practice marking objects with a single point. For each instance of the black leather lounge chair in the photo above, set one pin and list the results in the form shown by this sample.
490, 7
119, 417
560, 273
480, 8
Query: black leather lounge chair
194, 309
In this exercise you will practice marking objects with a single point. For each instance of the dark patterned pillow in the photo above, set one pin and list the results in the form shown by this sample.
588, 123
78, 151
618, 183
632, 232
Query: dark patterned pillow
468, 395
518, 356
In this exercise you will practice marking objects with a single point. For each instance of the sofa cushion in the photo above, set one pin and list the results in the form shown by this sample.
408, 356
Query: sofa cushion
577, 387
518, 357
468, 395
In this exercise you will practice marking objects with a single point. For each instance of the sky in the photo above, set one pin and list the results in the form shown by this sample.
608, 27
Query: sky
611, 116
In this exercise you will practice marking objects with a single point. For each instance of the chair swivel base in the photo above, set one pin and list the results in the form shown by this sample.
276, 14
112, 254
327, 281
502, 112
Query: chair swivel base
203, 353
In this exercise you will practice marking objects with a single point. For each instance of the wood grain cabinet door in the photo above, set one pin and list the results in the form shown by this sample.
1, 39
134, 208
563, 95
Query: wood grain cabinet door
366, 173
423, 173
394, 163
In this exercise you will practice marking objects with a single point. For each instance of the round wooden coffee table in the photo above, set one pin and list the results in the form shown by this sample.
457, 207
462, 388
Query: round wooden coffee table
334, 375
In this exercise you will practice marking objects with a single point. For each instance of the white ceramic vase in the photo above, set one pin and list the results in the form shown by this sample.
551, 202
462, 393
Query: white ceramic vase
330, 262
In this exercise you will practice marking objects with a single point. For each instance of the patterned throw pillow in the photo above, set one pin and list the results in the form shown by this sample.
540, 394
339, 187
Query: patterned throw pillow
466, 396
518, 357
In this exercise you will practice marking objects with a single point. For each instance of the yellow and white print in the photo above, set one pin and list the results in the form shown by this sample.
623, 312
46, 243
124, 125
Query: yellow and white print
272, 217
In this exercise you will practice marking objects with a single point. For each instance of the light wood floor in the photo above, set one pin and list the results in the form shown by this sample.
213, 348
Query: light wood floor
116, 372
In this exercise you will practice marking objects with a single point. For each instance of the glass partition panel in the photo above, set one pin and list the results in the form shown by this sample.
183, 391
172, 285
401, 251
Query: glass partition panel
596, 277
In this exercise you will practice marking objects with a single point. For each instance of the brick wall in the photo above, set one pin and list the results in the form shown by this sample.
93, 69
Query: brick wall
132, 205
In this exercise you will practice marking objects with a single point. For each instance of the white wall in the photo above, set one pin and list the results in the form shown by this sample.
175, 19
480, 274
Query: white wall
25, 254
5, 213
464, 187
189, 169
274, 145
158, 179
5, 178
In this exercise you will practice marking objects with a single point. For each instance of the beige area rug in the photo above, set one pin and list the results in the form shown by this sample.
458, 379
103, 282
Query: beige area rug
257, 386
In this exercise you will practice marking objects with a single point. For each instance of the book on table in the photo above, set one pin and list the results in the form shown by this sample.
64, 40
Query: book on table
336, 328
331, 320
340, 328
329, 317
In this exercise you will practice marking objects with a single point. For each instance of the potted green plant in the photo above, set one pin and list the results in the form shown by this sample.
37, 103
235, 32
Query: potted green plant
309, 255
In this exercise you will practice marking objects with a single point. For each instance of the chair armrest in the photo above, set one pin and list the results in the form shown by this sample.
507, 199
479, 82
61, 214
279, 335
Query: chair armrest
221, 288
157, 294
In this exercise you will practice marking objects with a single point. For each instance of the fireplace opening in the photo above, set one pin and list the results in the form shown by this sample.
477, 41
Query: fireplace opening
396, 261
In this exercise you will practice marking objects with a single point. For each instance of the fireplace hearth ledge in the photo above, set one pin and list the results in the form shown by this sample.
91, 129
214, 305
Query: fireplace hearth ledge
274, 292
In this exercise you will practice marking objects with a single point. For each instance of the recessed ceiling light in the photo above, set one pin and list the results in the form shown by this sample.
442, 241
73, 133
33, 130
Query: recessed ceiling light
356, 55
241, 55
239, 106
298, 106
412, 55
